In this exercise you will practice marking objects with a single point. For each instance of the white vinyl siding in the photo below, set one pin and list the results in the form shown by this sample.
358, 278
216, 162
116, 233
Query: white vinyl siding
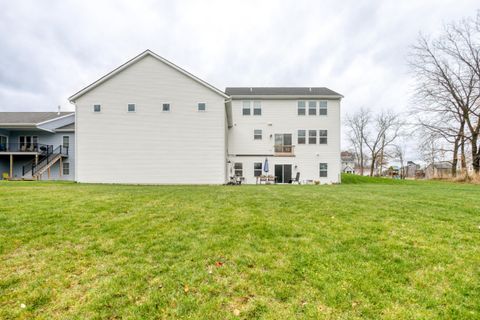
184, 147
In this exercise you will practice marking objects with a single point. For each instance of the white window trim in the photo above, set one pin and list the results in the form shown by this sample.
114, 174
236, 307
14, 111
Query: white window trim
253, 108
254, 134
304, 108
319, 136
63, 168
249, 108
319, 108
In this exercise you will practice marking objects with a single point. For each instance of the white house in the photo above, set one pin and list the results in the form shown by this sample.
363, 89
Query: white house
149, 121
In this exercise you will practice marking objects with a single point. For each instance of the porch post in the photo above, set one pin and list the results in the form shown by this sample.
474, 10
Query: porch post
11, 166
36, 159
60, 167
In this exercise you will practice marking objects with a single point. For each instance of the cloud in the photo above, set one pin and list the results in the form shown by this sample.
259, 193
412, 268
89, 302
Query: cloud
51, 49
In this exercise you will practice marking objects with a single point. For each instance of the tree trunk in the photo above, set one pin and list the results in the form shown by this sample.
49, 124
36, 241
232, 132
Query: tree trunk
372, 166
462, 155
456, 146
475, 154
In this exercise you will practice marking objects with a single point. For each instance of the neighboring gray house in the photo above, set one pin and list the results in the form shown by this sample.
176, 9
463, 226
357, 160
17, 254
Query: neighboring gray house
37, 145
441, 169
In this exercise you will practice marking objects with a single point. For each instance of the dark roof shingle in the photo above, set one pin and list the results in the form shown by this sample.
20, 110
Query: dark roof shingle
29, 117
279, 91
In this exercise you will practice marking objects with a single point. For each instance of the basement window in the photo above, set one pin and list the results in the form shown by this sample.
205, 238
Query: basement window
323, 170
66, 168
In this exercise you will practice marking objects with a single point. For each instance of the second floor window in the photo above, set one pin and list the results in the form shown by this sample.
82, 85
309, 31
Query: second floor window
246, 108
166, 107
322, 136
301, 136
312, 108
301, 108
238, 169
322, 109
131, 107
257, 134
202, 106
257, 169
312, 136
257, 108
97, 108
66, 141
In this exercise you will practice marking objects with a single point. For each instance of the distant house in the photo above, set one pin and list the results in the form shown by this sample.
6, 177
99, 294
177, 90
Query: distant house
411, 170
37, 145
348, 162
441, 169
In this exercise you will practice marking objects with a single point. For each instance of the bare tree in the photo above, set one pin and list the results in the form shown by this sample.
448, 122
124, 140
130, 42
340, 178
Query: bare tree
399, 153
382, 134
357, 125
447, 70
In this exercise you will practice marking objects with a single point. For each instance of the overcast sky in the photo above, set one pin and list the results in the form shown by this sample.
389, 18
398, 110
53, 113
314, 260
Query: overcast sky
51, 49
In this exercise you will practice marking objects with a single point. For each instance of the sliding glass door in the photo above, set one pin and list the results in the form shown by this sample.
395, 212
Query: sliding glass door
283, 173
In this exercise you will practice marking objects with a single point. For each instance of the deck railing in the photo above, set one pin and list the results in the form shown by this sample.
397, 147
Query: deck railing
283, 150
25, 147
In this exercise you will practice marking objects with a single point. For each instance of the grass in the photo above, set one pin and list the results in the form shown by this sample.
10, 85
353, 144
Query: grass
368, 248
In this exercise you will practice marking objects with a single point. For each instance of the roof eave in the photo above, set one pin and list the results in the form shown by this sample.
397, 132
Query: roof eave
300, 97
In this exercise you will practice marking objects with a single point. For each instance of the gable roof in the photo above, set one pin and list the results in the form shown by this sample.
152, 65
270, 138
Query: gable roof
282, 91
68, 127
29, 118
133, 61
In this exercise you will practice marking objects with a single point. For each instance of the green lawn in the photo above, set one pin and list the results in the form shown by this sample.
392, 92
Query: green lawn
364, 249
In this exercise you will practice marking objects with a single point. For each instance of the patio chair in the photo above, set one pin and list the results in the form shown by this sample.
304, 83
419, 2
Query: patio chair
297, 179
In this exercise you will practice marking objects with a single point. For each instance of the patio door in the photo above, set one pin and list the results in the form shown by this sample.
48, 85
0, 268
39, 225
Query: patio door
283, 142
283, 173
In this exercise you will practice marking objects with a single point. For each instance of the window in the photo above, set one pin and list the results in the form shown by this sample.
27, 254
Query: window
166, 107
202, 106
97, 108
66, 168
131, 107
302, 136
312, 136
301, 108
238, 169
323, 170
257, 134
66, 141
312, 108
322, 110
246, 108
322, 136
257, 169
28, 143
257, 108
